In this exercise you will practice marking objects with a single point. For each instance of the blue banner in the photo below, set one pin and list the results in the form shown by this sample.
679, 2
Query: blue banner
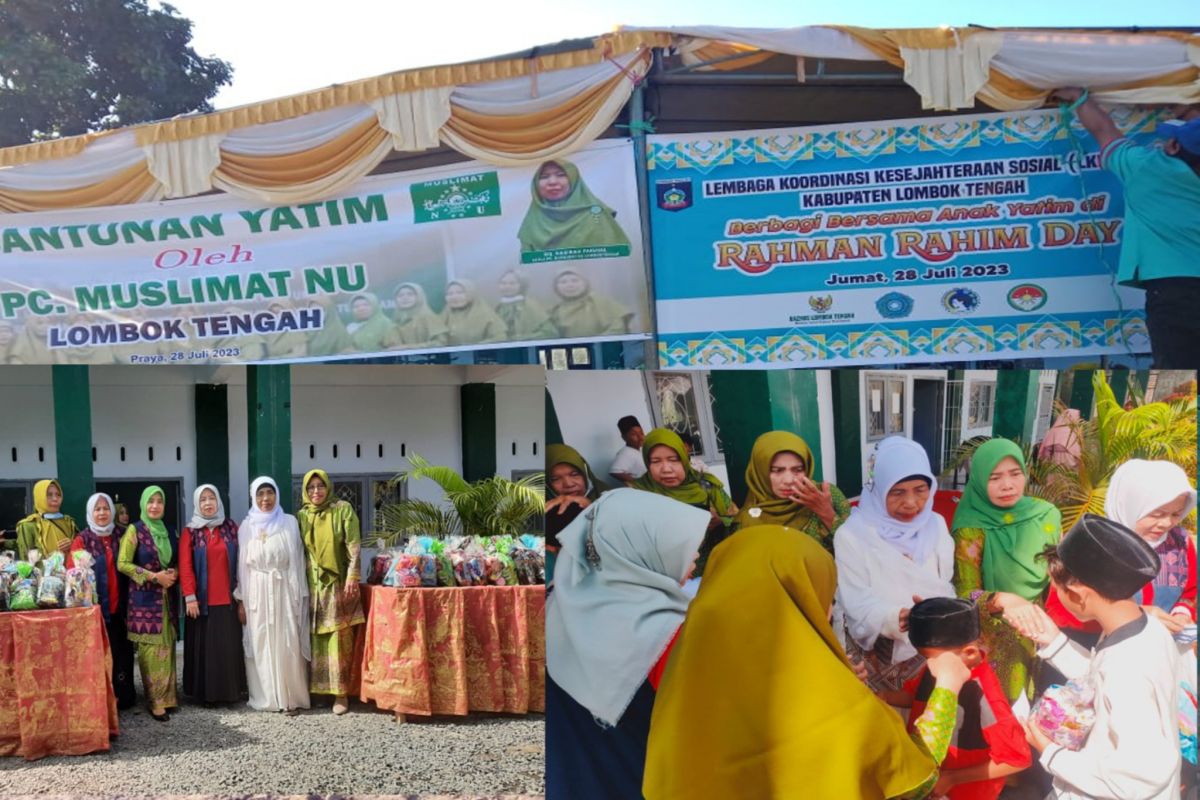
943, 239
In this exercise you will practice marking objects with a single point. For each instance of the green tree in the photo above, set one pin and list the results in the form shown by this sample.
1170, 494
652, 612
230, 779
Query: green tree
494, 506
72, 66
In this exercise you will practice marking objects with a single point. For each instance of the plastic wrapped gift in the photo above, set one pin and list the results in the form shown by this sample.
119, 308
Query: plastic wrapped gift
1066, 713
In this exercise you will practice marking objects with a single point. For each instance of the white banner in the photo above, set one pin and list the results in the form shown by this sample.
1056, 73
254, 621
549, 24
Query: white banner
463, 257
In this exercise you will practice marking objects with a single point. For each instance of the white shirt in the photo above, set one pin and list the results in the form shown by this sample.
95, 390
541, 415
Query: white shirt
876, 581
628, 460
1132, 752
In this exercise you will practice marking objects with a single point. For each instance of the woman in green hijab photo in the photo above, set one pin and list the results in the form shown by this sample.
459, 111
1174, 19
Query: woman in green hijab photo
565, 214
998, 532
467, 318
524, 317
580, 312
416, 323
370, 330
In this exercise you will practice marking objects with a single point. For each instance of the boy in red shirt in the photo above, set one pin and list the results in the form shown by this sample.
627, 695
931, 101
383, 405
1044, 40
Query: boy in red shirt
989, 743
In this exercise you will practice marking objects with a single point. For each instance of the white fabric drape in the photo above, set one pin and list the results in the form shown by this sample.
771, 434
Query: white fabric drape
296, 135
948, 79
414, 118
101, 159
531, 94
600, 122
185, 167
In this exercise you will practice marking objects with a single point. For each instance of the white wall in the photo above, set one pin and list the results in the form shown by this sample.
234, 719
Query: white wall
589, 403
26, 423
828, 442
416, 408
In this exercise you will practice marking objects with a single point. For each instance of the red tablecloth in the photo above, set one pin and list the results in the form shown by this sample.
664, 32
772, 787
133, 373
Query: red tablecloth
56, 694
453, 651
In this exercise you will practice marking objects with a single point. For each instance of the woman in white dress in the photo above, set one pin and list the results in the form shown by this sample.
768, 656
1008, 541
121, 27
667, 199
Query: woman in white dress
892, 547
272, 597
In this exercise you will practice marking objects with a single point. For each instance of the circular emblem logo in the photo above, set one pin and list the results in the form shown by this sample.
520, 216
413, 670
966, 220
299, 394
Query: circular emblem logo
1027, 297
960, 301
894, 305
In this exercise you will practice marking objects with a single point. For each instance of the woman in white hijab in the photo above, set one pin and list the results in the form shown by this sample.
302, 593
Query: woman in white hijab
272, 596
892, 548
1151, 498
112, 590
616, 606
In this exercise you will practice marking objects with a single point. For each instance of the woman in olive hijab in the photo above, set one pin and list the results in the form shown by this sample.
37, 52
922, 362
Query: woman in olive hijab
580, 312
416, 324
565, 214
467, 318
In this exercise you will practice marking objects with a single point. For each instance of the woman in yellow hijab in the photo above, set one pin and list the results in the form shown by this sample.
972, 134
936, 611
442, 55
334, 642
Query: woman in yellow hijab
781, 491
773, 709
47, 529
332, 541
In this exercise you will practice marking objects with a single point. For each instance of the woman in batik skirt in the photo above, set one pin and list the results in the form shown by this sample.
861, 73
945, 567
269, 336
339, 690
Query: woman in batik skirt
330, 531
147, 558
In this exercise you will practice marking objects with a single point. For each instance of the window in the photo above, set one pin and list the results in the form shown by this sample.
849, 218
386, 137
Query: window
355, 489
982, 404
565, 357
681, 401
885, 407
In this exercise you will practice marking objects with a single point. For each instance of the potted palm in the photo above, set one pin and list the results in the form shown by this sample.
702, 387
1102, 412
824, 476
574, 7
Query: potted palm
494, 506
1164, 430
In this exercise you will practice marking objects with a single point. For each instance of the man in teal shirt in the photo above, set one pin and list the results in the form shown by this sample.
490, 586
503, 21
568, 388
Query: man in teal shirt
1160, 250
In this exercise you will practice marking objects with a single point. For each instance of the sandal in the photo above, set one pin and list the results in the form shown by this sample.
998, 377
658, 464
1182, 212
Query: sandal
163, 717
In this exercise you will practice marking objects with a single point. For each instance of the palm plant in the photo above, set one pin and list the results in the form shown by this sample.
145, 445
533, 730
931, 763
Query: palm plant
494, 506
1163, 431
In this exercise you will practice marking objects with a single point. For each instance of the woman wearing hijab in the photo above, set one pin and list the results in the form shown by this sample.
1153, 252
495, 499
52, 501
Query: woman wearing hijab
8, 341
329, 529
111, 591
47, 529
999, 532
1151, 498
1061, 444
214, 669
669, 472
565, 214
147, 557
285, 345
416, 324
580, 312
524, 317
467, 318
892, 547
369, 329
616, 605
571, 486
122, 517
780, 490
773, 709
272, 595
332, 339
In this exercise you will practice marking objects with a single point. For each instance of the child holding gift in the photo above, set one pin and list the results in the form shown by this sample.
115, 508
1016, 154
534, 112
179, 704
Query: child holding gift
1132, 752
988, 744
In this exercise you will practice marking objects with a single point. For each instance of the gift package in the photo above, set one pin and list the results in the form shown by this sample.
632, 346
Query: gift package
46, 583
461, 561
1066, 713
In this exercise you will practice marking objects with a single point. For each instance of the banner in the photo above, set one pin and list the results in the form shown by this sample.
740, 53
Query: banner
931, 240
463, 257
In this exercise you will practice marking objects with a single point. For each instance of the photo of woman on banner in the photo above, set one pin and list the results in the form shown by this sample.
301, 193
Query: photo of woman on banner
369, 329
8, 341
416, 324
29, 344
580, 312
564, 214
285, 344
524, 317
468, 319
332, 339
234, 347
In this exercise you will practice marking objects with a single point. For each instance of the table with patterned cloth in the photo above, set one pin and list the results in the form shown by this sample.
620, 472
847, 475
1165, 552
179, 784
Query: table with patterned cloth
455, 650
56, 695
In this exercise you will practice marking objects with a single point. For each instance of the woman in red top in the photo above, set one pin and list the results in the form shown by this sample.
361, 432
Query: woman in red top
213, 666
111, 590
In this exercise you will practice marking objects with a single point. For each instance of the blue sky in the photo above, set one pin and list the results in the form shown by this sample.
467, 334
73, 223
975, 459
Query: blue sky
282, 47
